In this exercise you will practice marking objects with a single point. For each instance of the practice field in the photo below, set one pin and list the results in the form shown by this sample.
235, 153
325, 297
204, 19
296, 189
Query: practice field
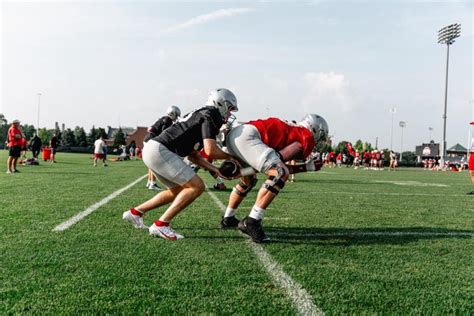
344, 241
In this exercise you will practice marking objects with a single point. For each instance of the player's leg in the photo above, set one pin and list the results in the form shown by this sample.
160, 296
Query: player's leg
471, 172
277, 176
238, 194
243, 143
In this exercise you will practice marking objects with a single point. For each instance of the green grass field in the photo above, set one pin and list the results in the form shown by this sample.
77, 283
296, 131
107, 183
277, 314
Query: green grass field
358, 241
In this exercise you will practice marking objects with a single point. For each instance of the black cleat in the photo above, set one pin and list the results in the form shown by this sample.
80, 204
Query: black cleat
254, 229
229, 222
470, 193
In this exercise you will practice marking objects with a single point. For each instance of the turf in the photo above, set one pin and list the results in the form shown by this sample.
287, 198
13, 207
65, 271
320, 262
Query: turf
359, 241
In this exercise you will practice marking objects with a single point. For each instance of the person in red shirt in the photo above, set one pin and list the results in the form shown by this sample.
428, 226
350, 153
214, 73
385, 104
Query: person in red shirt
471, 157
265, 145
14, 137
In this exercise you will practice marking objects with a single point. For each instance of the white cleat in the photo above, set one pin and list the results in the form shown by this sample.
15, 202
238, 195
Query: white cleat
154, 187
164, 232
135, 220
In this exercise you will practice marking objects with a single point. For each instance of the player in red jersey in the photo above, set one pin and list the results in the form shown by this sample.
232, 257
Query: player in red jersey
264, 145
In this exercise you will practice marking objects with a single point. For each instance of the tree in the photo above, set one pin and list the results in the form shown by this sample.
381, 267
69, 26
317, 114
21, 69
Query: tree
69, 138
28, 130
119, 138
359, 146
81, 138
3, 128
45, 135
92, 135
409, 156
101, 133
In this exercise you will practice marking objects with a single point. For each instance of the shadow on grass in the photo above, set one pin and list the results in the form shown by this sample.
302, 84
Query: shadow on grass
363, 236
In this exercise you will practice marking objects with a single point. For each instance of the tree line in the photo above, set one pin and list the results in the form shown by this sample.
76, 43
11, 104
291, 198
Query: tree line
76, 137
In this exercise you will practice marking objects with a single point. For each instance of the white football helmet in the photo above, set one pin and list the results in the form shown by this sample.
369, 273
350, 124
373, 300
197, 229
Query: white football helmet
173, 112
316, 125
224, 100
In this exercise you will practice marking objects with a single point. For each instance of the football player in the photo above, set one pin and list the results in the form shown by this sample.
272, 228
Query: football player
164, 154
172, 114
265, 145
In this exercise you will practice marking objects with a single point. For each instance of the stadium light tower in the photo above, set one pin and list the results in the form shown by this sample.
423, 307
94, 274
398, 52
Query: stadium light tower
38, 116
402, 124
447, 35
430, 129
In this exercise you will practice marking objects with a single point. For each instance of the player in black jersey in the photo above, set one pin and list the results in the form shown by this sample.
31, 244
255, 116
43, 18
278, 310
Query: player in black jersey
172, 114
164, 155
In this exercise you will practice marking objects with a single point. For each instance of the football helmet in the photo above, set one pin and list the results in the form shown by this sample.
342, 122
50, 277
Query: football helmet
173, 112
224, 100
316, 125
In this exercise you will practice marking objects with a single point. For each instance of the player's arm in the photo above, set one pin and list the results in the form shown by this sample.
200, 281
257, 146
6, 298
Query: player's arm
199, 160
291, 152
310, 165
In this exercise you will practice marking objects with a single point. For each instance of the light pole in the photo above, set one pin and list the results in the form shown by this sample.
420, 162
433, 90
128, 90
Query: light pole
446, 36
392, 111
402, 124
38, 116
431, 132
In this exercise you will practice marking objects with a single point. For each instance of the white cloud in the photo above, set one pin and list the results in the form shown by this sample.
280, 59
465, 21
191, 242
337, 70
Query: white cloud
205, 18
329, 90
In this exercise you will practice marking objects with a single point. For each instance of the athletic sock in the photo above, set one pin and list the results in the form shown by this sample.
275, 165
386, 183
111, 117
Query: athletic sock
160, 223
137, 212
219, 180
257, 213
229, 212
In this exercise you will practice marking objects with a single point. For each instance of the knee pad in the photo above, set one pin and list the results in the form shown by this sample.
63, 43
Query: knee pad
245, 188
276, 182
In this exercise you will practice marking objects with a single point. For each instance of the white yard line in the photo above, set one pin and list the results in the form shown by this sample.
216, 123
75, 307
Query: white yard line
76, 218
302, 301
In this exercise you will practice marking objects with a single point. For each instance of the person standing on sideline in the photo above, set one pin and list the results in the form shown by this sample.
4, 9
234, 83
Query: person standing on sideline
99, 151
172, 114
53, 143
14, 138
35, 144
393, 160
164, 154
471, 157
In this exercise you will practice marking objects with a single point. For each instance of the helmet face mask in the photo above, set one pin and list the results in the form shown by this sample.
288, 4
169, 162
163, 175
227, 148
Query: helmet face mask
224, 100
173, 112
317, 125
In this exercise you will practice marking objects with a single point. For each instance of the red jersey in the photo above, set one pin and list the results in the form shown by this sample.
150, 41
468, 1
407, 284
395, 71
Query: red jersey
339, 156
12, 140
277, 134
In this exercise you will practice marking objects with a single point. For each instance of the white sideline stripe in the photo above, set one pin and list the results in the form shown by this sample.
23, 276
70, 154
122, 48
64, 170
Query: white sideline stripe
302, 301
380, 233
79, 216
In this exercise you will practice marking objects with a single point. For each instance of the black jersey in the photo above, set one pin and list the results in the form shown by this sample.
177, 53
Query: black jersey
158, 127
187, 135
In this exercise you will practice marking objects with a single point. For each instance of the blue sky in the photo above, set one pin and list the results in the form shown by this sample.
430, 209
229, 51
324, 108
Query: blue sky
112, 62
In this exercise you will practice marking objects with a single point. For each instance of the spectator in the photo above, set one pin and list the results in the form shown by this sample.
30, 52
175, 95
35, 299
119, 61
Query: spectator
35, 145
53, 143
99, 153
393, 160
14, 137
